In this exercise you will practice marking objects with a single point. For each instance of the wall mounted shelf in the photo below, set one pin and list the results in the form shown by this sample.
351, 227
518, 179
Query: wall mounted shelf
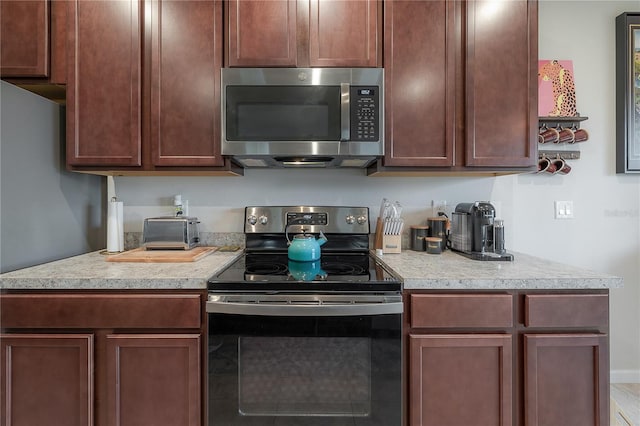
562, 121
565, 155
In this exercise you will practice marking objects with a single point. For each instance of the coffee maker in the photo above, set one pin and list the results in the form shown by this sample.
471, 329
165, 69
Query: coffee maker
472, 232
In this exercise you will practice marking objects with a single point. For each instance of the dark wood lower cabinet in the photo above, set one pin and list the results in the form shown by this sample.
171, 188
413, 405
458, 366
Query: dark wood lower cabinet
566, 379
153, 379
47, 379
461, 379
102, 359
513, 357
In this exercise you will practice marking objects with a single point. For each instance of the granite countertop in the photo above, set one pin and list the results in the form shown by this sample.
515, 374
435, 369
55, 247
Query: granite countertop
418, 270
91, 271
451, 271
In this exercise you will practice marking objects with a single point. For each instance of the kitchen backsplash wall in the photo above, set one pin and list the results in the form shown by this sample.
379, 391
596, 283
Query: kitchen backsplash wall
46, 212
604, 235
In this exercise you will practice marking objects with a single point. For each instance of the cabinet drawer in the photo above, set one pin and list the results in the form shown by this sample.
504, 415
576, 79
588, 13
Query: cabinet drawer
100, 311
566, 310
461, 310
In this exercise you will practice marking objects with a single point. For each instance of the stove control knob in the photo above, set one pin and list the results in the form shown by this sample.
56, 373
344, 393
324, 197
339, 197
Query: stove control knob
252, 220
351, 219
362, 220
263, 220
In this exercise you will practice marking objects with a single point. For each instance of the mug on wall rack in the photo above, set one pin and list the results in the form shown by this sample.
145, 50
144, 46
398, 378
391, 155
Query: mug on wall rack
561, 166
548, 134
546, 165
566, 135
580, 135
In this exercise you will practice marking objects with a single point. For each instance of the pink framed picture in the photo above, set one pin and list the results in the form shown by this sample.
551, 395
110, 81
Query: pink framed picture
556, 89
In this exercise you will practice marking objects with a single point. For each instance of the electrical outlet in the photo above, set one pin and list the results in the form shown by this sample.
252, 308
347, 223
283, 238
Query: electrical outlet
563, 209
438, 206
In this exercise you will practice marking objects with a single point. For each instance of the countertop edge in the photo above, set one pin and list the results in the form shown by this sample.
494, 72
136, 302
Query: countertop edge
417, 271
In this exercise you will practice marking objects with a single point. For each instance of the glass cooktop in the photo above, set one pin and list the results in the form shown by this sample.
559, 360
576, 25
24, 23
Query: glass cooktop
356, 272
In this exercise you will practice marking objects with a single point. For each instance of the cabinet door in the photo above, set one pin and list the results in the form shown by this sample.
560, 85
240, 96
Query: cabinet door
501, 91
262, 33
47, 379
24, 38
103, 82
153, 379
186, 56
420, 82
566, 380
344, 33
460, 379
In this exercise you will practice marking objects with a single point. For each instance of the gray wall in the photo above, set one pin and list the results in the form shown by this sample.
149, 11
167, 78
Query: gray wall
46, 213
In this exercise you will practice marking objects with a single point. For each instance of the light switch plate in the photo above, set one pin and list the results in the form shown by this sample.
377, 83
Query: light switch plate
563, 209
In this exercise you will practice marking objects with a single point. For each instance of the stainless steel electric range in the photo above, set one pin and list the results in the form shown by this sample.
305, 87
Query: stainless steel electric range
305, 343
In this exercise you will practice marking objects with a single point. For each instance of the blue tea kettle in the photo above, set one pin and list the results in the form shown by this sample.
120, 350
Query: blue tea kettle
305, 247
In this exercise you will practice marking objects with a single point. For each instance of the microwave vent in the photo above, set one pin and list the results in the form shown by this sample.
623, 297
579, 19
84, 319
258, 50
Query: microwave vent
355, 162
252, 162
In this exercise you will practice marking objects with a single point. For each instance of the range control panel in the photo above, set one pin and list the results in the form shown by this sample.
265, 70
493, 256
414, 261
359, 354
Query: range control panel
365, 113
328, 219
296, 218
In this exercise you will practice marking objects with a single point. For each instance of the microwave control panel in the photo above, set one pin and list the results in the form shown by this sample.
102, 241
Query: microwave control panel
365, 113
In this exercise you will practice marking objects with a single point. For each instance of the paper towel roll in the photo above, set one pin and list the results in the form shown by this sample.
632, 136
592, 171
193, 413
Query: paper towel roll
115, 228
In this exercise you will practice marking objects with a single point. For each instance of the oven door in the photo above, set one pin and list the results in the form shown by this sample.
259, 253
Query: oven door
305, 360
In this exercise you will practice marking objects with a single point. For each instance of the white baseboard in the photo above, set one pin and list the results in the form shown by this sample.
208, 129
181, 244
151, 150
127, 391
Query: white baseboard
625, 376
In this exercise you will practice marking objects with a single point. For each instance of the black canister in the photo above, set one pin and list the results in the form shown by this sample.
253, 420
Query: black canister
438, 229
434, 245
418, 234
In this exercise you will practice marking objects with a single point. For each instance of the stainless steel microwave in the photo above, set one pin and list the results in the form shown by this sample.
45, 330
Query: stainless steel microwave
303, 117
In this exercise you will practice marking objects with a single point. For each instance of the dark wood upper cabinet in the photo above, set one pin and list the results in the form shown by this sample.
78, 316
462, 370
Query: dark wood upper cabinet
33, 46
344, 33
501, 83
420, 82
104, 82
144, 86
460, 84
303, 33
261, 33
186, 56
24, 38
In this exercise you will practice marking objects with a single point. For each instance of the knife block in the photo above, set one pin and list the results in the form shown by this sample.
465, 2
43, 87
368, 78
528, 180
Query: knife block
391, 243
388, 243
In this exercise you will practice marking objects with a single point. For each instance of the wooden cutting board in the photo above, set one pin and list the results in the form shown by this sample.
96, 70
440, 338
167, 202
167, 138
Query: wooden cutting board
168, 256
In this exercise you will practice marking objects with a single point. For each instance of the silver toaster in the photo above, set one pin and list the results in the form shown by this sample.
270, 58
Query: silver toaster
170, 233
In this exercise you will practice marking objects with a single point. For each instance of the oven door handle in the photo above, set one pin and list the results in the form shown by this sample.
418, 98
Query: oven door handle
301, 308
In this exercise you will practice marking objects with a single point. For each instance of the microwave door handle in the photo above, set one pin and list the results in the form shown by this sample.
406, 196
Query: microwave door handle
345, 125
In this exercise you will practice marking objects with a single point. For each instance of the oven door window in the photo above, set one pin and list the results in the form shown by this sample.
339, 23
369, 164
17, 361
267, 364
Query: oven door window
304, 376
283, 113
304, 370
